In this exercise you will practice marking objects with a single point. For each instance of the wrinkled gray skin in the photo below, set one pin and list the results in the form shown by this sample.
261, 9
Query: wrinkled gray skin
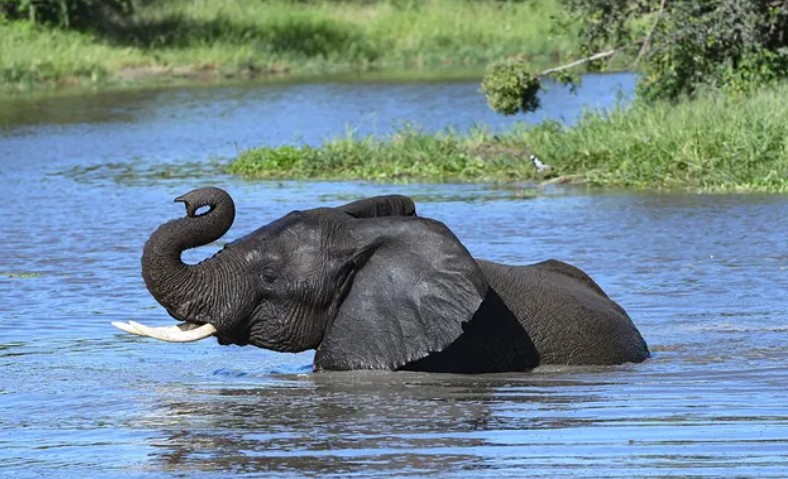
370, 285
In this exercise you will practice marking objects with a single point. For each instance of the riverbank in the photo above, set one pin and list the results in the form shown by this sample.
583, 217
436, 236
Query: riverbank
192, 40
710, 144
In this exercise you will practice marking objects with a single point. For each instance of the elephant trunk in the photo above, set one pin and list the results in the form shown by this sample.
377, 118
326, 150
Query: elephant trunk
190, 292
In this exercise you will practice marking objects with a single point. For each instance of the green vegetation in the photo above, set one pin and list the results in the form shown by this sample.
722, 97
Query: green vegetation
710, 112
410, 154
691, 46
64, 13
508, 91
682, 48
210, 40
711, 143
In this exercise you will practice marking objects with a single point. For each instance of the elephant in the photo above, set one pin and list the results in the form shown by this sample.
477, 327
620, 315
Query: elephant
373, 285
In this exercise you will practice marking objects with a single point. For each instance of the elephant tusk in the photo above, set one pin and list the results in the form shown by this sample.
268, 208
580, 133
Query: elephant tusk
182, 333
136, 328
126, 327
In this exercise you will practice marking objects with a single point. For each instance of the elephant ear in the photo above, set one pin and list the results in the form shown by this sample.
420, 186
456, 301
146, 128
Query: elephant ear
416, 287
390, 205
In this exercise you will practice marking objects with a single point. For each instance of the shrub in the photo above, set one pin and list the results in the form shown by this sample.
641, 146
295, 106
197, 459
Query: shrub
510, 88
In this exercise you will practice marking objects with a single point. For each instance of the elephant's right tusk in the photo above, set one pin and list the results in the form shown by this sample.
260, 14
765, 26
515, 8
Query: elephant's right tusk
182, 333
126, 327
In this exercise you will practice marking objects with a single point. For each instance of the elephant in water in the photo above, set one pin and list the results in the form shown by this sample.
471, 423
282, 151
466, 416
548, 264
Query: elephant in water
370, 285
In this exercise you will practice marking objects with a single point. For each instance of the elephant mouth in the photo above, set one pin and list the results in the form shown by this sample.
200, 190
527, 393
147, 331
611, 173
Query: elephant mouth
182, 333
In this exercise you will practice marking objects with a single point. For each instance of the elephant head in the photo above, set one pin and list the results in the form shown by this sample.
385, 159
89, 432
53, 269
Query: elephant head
369, 284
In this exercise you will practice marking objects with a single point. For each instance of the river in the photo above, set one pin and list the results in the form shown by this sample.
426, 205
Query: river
85, 178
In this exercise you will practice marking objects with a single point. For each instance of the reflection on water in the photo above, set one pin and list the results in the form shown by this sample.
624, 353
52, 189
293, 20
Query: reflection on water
468, 427
85, 181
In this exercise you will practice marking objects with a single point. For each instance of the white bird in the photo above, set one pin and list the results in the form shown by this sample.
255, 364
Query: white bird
540, 166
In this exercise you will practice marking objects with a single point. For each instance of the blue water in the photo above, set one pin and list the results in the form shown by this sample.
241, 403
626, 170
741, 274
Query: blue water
85, 179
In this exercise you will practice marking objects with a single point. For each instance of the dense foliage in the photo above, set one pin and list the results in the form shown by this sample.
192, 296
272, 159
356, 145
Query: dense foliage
510, 88
690, 45
63, 13
682, 47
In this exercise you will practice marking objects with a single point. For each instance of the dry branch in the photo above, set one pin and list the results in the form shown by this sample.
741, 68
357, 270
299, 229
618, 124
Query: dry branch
582, 61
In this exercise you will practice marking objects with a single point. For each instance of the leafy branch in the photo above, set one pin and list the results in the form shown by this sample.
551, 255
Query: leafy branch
510, 88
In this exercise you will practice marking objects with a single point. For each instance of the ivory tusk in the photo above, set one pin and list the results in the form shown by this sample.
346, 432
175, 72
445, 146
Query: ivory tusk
126, 327
182, 333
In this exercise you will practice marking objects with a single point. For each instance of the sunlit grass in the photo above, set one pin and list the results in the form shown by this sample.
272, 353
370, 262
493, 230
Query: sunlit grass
252, 37
714, 143
410, 154
30, 55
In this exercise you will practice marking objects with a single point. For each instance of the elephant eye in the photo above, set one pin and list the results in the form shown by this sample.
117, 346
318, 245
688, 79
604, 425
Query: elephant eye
268, 275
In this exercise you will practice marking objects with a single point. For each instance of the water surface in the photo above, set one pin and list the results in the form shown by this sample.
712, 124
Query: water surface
86, 179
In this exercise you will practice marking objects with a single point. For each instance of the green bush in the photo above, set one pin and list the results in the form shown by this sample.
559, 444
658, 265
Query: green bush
63, 13
510, 88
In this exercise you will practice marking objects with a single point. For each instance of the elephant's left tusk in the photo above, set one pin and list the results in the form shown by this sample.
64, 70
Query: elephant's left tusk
182, 333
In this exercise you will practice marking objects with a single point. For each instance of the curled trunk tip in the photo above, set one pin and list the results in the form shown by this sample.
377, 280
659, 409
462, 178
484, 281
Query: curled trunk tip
174, 284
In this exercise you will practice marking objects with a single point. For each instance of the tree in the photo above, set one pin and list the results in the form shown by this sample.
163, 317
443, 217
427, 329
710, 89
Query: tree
682, 47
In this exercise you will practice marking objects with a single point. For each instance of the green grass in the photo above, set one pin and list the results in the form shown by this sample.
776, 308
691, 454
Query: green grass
29, 55
715, 144
204, 39
410, 154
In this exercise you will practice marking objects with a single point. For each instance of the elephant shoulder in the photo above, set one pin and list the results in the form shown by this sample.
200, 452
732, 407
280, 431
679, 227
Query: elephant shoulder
566, 269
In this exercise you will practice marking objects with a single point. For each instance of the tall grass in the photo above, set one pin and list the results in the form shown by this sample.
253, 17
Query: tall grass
240, 37
715, 143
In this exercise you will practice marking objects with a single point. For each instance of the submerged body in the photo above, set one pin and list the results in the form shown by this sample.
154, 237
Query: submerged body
560, 321
566, 314
370, 285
